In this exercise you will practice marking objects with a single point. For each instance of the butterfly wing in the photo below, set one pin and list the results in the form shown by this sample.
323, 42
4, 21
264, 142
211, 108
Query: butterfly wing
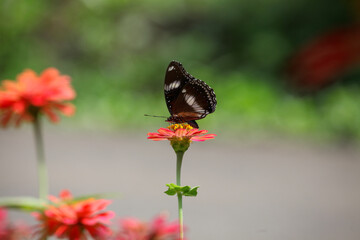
175, 79
187, 98
195, 101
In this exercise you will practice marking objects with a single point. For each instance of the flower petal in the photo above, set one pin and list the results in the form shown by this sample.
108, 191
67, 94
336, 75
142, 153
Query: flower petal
67, 109
157, 138
181, 132
103, 218
166, 132
195, 132
51, 115
203, 138
60, 231
66, 195
6, 118
19, 107
28, 78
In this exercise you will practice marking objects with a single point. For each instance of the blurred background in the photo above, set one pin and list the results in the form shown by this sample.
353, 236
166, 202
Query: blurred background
277, 68
281, 71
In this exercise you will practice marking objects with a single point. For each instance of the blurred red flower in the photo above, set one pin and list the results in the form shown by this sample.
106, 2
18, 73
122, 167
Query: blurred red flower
325, 58
158, 229
21, 100
75, 219
12, 231
179, 132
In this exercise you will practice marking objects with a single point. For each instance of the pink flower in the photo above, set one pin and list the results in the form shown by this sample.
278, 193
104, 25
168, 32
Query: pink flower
75, 219
158, 229
12, 231
132, 229
3, 222
23, 99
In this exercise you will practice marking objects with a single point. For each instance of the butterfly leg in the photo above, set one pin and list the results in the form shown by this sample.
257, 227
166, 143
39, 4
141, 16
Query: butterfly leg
193, 124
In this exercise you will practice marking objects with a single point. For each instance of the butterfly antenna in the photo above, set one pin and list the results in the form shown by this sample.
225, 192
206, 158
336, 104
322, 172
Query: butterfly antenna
147, 115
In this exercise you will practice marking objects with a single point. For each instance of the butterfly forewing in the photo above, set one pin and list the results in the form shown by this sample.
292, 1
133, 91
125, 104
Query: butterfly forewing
175, 79
187, 98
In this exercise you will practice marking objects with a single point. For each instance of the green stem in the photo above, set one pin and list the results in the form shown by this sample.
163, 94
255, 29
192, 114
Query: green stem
42, 171
179, 158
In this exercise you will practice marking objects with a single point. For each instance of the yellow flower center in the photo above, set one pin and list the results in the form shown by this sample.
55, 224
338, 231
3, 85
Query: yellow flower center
180, 144
176, 126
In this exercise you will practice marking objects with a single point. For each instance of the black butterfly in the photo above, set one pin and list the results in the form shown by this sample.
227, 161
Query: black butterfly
187, 98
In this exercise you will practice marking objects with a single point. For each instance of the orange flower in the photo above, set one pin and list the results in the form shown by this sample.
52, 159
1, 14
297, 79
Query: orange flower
180, 136
75, 219
23, 99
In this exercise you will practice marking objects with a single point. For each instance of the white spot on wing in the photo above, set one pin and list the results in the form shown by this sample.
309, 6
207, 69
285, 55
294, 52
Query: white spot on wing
184, 90
189, 99
171, 68
174, 85
177, 84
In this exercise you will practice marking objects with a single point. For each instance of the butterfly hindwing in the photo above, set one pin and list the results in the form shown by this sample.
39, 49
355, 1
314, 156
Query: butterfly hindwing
195, 101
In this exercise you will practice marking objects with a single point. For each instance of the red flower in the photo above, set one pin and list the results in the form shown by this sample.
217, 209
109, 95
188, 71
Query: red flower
23, 99
75, 219
180, 136
158, 229
12, 232
324, 59
3, 222
132, 229
179, 132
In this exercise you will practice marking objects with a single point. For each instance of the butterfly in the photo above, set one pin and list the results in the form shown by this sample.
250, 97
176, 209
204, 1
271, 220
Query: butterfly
187, 98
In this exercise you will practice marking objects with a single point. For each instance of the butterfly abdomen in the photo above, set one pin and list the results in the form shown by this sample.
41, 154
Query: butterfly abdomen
185, 117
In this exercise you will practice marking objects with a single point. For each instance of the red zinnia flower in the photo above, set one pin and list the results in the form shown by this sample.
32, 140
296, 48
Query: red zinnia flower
75, 219
180, 132
180, 136
158, 229
31, 94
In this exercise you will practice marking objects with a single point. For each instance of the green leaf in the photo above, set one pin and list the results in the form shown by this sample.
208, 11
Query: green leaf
170, 192
185, 189
172, 189
192, 193
182, 190
23, 203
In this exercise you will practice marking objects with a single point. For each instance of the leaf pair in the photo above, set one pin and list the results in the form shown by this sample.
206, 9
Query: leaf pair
181, 190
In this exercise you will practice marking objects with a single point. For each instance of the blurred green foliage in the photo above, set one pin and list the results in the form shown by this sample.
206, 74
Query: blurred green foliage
116, 52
